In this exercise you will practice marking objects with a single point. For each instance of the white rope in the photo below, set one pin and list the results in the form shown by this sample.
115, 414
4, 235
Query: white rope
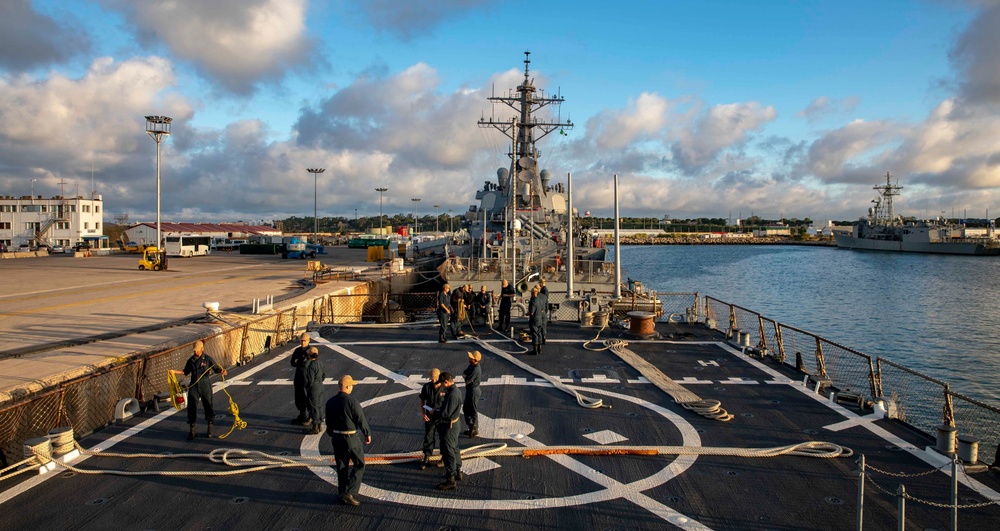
590, 403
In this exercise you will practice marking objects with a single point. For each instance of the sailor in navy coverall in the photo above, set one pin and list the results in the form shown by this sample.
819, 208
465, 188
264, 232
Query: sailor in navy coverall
449, 421
473, 376
344, 419
199, 367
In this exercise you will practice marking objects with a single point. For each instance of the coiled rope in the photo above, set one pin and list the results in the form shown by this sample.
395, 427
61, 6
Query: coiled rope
246, 461
176, 400
710, 409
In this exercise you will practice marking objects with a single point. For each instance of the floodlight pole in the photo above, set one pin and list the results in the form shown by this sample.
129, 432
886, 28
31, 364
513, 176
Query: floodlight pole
416, 221
380, 191
437, 218
157, 127
315, 172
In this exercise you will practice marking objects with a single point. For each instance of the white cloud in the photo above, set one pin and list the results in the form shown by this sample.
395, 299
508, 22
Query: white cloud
824, 107
409, 18
723, 127
29, 38
237, 43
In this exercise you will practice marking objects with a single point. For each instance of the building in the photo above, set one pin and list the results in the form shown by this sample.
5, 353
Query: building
145, 233
37, 221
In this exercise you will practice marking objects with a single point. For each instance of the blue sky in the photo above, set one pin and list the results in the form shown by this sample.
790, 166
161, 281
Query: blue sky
777, 108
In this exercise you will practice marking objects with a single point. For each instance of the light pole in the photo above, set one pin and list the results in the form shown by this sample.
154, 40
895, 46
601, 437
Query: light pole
449, 219
158, 127
437, 218
380, 192
416, 221
33, 188
315, 172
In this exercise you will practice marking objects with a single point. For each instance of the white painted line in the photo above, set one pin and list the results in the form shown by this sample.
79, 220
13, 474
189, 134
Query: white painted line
738, 381
639, 380
689, 380
606, 437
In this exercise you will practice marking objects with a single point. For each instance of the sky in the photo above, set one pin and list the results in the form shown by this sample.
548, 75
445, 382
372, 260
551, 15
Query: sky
724, 109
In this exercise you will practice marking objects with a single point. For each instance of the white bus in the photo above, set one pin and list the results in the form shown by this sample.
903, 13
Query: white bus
188, 245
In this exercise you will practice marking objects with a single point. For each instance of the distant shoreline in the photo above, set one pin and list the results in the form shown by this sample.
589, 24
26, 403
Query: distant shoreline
724, 241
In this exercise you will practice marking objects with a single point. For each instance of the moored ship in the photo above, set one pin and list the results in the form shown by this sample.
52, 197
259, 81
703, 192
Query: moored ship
882, 230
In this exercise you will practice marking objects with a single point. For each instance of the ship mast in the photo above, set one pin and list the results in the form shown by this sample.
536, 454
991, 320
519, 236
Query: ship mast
884, 214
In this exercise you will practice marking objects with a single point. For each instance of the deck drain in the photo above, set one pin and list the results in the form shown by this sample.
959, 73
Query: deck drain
529, 497
67, 474
607, 366
633, 414
98, 501
599, 471
700, 430
893, 448
833, 500
732, 473
238, 500
747, 415
260, 432
567, 356
284, 452
588, 430
971, 501
810, 431
776, 401
698, 368
618, 387
719, 389
674, 499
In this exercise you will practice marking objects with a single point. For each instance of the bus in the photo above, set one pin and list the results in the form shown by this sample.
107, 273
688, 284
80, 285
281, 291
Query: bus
187, 245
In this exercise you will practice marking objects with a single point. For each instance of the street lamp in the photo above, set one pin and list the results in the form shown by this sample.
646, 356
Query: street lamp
158, 127
437, 218
33, 188
449, 219
416, 220
380, 192
315, 172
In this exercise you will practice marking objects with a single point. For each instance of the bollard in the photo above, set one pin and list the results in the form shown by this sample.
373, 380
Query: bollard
946, 439
799, 364
968, 449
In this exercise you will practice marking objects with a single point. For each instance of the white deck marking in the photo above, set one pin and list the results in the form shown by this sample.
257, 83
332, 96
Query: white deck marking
732, 380
27, 485
866, 422
639, 380
605, 437
704, 363
613, 489
688, 380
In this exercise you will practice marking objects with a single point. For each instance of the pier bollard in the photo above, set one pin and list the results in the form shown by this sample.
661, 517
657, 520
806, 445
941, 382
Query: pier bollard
968, 449
946, 439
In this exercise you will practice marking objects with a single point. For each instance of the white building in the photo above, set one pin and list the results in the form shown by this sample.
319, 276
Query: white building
66, 221
145, 233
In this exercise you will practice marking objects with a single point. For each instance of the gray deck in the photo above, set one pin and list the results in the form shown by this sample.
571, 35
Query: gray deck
770, 405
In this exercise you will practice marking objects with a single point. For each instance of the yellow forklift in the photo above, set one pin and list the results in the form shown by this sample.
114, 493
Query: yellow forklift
153, 258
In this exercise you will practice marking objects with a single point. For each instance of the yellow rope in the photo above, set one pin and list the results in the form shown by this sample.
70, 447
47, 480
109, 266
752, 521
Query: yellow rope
176, 400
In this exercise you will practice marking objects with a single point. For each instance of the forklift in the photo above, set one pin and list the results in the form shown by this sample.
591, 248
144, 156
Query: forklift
153, 258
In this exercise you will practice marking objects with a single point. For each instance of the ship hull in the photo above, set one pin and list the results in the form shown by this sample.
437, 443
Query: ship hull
965, 248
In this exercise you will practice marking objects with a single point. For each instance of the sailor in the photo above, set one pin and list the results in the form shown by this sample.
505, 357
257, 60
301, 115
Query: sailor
482, 304
458, 312
543, 295
470, 304
535, 321
444, 310
506, 298
449, 422
473, 376
344, 418
313, 384
428, 403
298, 360
199, 367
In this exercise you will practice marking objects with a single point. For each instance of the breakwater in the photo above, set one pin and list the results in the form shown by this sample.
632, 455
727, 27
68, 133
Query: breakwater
694, 240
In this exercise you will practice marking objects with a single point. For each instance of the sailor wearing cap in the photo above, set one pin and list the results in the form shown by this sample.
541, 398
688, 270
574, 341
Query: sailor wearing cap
429, 402
298, 360
473, 376
344, 418
448, 426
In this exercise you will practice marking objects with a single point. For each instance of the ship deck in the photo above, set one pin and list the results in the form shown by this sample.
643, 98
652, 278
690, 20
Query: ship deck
770, 404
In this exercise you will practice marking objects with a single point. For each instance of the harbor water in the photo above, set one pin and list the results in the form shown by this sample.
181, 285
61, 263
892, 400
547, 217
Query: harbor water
936, 314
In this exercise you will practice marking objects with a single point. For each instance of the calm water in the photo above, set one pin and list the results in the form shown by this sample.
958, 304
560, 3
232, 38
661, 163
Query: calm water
935, 314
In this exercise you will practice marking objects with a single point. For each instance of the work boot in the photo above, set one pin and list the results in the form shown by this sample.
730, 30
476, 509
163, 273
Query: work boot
307, 422
459, 476
191, 433
425, 463
315, 429
209, 433
348, 499
448, 484
442, 339
473, 433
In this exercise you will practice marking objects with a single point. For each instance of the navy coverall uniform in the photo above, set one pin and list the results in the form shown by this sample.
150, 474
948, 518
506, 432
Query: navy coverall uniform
299, 357
313, 385
444, 301
344, 421
506, 298
430, 397
473, 375
448, 425
198, 368
536, 322
543, 307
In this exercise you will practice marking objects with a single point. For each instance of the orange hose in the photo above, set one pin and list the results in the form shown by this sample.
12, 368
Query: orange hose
580, 451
